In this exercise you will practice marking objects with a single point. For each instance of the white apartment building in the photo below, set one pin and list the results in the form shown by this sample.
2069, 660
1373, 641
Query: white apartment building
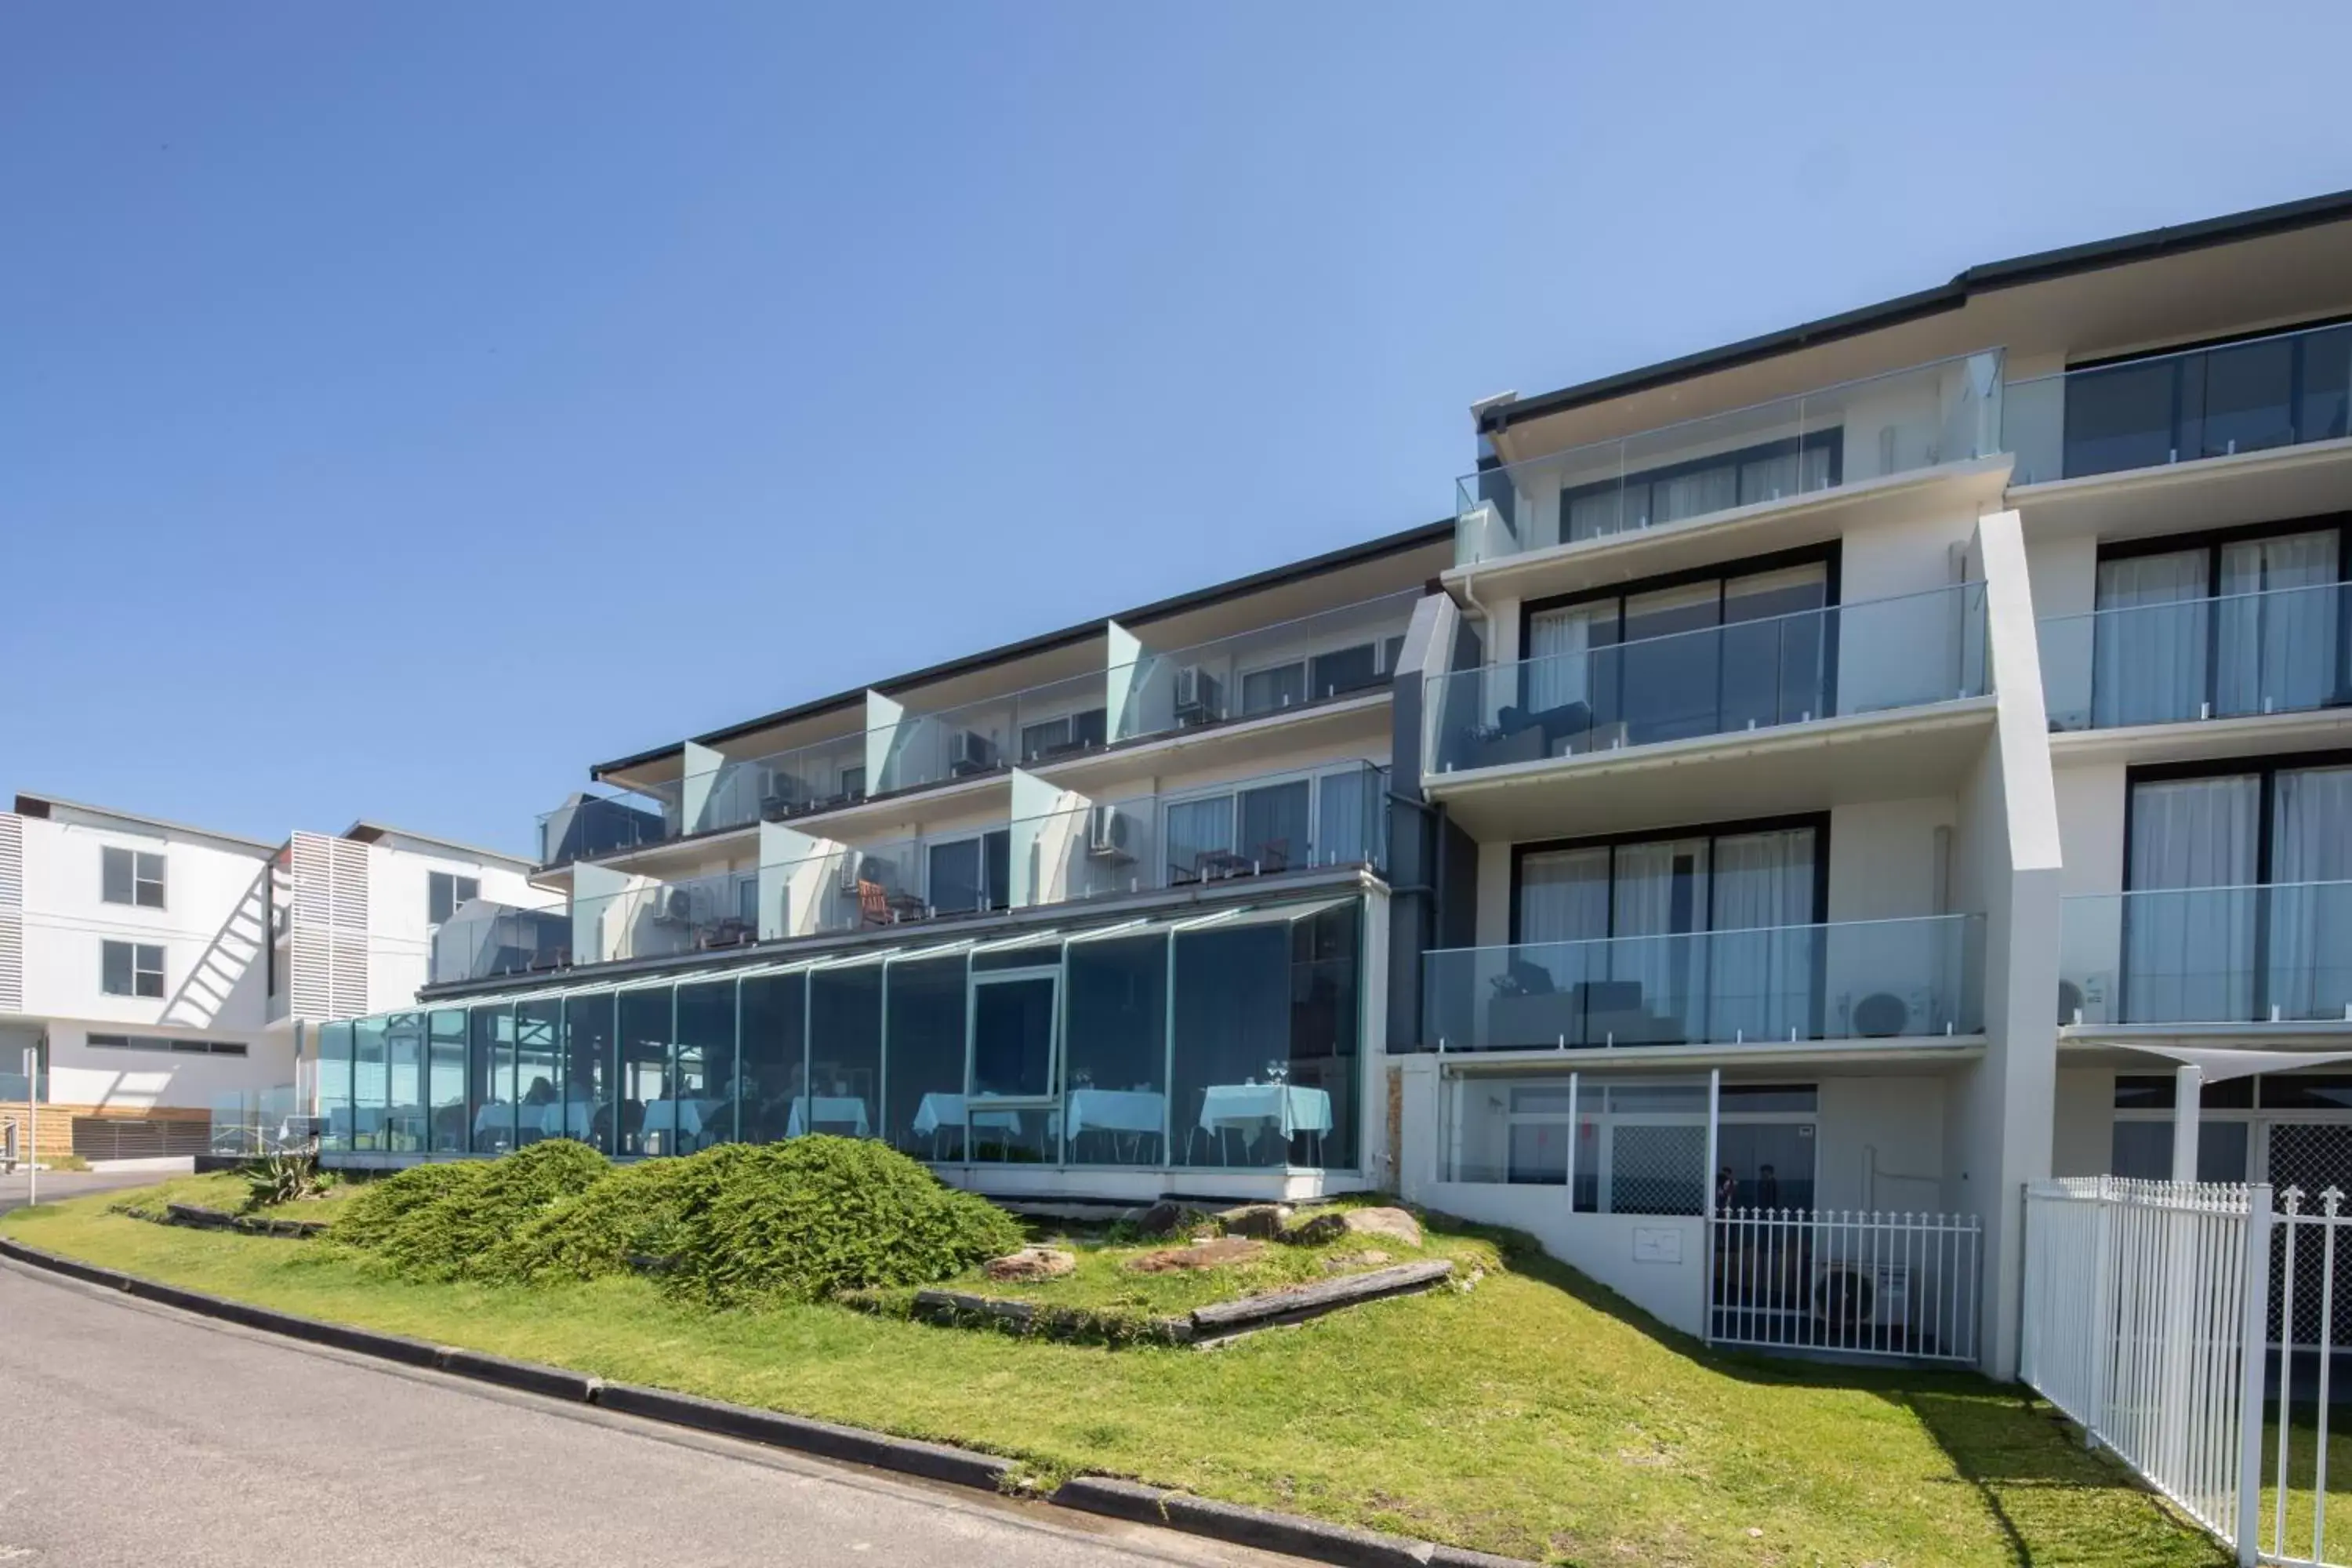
1806, 792
159, 971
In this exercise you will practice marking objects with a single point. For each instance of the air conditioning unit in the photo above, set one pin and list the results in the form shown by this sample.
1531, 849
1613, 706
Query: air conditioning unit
852, 871
1108, 828
1197, 694
1880, 1015
971, 753
1863, 1295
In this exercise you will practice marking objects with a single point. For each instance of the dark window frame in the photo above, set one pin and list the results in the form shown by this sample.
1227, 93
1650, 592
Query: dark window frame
1819, 821
1832, 440
434, 881
2298, 333
2266, 770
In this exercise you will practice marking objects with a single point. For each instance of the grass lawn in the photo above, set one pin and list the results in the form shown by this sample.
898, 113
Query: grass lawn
1536, 1416
227, 1191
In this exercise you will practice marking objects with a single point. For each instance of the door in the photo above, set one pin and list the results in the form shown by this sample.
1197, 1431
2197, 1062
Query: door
1012, 1063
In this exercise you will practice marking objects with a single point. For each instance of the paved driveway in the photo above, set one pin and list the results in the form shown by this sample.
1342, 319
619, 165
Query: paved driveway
136, 1436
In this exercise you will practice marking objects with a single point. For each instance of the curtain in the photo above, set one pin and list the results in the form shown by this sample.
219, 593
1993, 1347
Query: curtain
2148, 652
2189, 917
1347, 812
2275, 624
1762, 958
1197, 827
2310, 924
1559, 666
1658, 902
1564, 915
1604, 511
1275, 824
1698, 494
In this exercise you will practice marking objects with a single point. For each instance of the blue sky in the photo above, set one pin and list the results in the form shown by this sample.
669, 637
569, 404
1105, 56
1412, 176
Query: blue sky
404, 407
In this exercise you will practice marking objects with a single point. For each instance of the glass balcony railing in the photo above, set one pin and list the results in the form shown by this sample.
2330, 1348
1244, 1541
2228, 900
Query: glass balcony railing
660, 919
1293, 664
841, 888
777, 786
484, 940
2271, 954
588, 826
1906, 420
2283, 651
1038, 724
2284, 390
1337, 816
1862, 657
1897, 979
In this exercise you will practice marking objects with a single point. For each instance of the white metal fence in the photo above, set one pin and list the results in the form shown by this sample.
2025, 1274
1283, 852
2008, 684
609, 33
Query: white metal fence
2194, 1330
1847, 1282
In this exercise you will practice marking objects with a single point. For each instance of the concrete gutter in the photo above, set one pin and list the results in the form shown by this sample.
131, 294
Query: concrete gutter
1233, 1522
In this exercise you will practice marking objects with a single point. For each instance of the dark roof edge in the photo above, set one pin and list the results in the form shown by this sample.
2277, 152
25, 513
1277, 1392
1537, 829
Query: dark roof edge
2040, 267
1274, 577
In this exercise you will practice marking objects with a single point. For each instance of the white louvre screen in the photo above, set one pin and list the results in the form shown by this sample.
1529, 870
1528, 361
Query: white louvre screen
329, 945
12, 912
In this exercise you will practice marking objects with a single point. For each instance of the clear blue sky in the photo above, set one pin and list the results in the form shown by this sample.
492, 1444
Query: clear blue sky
403, 407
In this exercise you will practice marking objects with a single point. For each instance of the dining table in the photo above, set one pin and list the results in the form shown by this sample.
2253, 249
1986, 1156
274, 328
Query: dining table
828, 1110
683, 1122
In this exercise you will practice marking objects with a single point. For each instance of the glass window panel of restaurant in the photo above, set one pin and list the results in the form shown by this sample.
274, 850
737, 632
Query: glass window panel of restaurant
588, 1064
539, 1109
1326, 1005
926, 1115
444, 1074
1114, 1104
406, 1129
489, 1076
335, 1086
368, 1087
1017, 997
774, 1054
1265, 1040
645, 1019
845, 1051
706, 1065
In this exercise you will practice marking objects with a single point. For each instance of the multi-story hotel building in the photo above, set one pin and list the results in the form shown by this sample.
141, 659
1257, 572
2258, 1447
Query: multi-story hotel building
1852, 773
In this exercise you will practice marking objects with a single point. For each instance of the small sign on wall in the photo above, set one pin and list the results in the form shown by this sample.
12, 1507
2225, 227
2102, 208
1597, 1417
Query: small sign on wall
1657, 1244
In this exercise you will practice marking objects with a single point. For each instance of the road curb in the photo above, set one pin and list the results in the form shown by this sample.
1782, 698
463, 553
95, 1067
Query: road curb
1233, 1522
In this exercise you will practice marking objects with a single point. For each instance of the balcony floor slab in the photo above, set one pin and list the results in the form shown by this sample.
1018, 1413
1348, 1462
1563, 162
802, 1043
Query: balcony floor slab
2205, 493
2205, 740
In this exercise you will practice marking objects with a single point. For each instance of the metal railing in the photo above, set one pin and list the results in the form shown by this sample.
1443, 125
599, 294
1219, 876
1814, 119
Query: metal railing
1852, 1282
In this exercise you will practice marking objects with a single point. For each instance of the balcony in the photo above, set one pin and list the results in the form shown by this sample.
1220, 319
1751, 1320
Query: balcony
483, 940
588, 826
1855, 434
2276, 953
1855, 980
2280, 651
1771, 673
2285, 390
1287, 667
660, 919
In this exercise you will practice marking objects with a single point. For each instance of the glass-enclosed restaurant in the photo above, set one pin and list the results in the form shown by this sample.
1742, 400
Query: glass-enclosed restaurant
1211, 1040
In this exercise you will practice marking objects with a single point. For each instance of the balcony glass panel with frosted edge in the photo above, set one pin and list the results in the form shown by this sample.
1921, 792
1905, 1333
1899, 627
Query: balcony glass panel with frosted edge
1089, 851
1901, 422
484, 940
1917, 978
2276, 952
2285, 389
588, 826
1322, 658
1279, 823
1865, 656
2282, 651
846, 890
657, 920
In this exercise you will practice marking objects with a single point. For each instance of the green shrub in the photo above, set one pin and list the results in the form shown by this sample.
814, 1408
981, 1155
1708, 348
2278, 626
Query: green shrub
632, 1211
802, 1219
451, 1225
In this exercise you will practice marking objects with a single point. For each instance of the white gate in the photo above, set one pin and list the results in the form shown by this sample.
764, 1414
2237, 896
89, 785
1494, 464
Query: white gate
2176, 1323
1847, 1282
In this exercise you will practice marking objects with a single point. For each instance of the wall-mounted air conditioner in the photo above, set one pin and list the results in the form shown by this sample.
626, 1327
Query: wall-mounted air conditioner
1108, 828
1198, 694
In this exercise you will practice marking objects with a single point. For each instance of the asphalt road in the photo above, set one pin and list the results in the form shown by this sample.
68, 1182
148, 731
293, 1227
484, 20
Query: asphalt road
136, 1436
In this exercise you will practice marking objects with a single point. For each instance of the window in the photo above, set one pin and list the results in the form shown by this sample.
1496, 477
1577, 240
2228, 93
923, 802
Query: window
1270, 690
131, 877
163, 1043
1316, 677
1762, 473
2177, 406
1061, 737
131, 968
2235, 622
1679, 659
968, 875
444, 891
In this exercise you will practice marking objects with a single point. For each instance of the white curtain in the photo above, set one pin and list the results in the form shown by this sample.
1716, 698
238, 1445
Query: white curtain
2188, 917
1658, 899
2310, 927
1559, 670
2277, 624
1696, 495
1564, 914
1761, 959
2149, 658
1197, 827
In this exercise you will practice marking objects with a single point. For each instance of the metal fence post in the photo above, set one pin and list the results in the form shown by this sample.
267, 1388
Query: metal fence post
2253, 1340
2102, 1308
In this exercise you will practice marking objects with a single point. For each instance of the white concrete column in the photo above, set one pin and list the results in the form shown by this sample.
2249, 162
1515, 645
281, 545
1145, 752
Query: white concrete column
2187, 1096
